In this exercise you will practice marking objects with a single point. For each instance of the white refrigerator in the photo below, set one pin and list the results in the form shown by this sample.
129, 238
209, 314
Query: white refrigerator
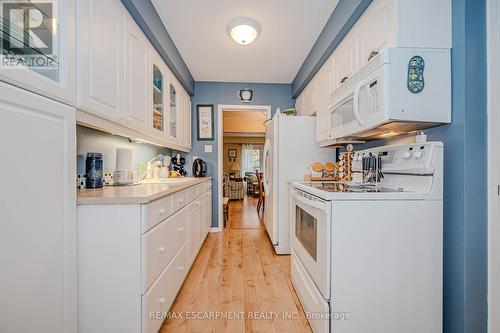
289, 150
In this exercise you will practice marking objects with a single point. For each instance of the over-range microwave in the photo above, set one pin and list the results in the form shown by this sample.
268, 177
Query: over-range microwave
399, 91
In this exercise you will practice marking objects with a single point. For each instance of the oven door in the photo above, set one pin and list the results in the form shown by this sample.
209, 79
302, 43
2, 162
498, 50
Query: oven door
310, 236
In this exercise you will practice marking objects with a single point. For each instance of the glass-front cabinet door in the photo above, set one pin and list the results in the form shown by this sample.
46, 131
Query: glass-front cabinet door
174, 106
37, 47
158, 112
158, 119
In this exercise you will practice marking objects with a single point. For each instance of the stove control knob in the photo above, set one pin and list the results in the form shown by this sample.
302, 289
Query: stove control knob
418, 154
406, 155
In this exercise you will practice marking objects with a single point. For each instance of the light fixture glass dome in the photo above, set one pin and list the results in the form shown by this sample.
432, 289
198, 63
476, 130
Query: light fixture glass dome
243, 30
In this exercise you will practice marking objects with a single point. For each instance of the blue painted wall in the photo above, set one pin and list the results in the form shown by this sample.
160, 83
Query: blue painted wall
149, 21
275, 95
465, 183
340, 22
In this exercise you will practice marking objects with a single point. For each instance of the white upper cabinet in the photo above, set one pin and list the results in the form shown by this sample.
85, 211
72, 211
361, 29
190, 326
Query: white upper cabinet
185, 137
138, 73
51, 47
323, 91
100, 50
374, 31
423, 23
189, 122
344, 61
124, 86
299, 104
384, 24
173, 112
310, 99
158, 119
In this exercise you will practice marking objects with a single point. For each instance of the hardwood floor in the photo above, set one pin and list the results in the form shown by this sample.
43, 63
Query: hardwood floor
243, 214
240, 282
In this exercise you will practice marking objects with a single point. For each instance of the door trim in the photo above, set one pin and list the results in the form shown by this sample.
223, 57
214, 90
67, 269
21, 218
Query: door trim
493, 54
220, 152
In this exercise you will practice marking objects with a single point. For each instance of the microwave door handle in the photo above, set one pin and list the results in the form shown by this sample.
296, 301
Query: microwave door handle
355, 103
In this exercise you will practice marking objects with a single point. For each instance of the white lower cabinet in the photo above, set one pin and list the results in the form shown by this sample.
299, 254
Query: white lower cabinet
133, 259
161, 295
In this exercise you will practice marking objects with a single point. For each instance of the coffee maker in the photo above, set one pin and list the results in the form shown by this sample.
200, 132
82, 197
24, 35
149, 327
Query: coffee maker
199, 168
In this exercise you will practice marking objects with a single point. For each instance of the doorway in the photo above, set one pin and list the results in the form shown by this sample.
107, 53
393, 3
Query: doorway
493, 45
241, 137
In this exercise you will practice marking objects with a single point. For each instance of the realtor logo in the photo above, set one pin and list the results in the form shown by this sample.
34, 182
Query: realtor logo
28, 34
27, 28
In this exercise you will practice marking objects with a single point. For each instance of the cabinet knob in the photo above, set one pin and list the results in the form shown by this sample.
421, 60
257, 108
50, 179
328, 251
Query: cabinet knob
162, 211
181, 268
180, 229
163, 300
161, 249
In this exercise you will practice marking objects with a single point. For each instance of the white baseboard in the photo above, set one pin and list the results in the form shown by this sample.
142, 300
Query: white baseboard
215, 229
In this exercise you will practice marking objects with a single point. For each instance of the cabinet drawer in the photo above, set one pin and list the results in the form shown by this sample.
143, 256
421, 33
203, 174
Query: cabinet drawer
155, 212
179, 200
191, 194
160, 245
162, 294
311, 299
199, 189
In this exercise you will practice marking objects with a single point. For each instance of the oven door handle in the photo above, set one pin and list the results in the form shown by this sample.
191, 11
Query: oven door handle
320, 204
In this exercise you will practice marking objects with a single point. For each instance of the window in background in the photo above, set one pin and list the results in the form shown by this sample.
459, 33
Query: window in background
252, 157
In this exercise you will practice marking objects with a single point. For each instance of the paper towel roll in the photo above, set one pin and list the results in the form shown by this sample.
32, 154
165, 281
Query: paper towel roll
124, 159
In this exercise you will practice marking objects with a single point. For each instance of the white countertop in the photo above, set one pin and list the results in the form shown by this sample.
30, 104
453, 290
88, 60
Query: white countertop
134, 194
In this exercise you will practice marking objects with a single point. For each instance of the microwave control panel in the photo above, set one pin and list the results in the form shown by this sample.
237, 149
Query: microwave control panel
373, 96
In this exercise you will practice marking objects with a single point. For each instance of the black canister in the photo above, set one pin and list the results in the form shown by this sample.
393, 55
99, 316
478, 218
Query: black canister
93, 170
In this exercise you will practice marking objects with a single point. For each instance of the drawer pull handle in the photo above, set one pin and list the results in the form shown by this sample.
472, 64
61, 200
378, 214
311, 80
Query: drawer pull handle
162, 249
162, 211
180, 229
198, 203
163, 300
181, 200
181, 268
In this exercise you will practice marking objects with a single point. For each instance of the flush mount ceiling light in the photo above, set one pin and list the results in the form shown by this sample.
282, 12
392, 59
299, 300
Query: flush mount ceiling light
243, 30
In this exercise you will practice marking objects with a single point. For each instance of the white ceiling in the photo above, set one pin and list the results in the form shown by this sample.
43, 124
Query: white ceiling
289, 29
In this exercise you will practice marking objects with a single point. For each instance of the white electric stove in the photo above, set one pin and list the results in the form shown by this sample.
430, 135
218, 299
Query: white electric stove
369, 258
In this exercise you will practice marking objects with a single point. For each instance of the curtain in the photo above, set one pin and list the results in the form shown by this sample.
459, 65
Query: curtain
251, 158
